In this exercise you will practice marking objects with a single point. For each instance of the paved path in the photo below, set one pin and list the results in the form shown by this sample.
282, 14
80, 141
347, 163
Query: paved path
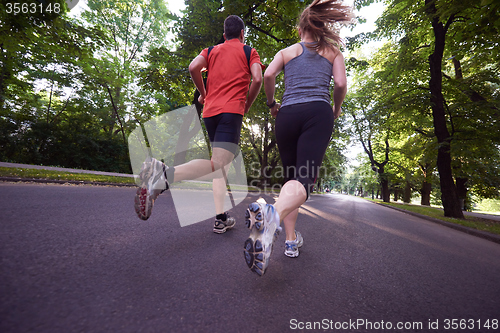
77, 259
29, 166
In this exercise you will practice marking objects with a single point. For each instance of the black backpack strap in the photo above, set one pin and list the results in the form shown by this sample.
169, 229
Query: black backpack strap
246, 48
209, 50
206, 79
248, 52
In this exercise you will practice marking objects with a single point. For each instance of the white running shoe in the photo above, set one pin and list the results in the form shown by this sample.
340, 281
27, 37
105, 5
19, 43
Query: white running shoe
292, 247
264, 222
153, 182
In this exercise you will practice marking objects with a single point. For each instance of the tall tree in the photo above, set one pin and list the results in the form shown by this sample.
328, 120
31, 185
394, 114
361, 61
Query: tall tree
132, 27
40, 56
370, 121
427, 33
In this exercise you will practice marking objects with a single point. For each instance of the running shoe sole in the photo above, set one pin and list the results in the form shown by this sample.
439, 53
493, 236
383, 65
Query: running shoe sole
258, 247
143, 203
146, 194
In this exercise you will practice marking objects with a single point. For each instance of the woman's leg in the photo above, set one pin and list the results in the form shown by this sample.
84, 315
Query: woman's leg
292, 194
308, 149
289, 222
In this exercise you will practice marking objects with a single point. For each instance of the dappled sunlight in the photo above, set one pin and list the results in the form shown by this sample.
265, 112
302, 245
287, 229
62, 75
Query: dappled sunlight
409, 236
316, 213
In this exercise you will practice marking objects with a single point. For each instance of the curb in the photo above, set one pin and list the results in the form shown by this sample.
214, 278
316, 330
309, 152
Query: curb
474, 232
78, 182
82, 182
56, 181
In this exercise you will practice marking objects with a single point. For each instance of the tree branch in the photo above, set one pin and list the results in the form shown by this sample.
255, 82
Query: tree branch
424, 133
451, 19
250, 24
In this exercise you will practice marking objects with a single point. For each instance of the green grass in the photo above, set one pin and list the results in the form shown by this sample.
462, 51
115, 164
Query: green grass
477, 223
87, 177
58, 175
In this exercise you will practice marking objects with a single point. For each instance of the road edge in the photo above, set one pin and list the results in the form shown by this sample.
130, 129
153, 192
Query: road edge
478, 233
83, 182
57, 181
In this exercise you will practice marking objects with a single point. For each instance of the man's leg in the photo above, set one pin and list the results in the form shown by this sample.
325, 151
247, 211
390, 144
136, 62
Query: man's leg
221, 159
219, 191
198, 168
156, 177
223, 129
192, 170
224, 133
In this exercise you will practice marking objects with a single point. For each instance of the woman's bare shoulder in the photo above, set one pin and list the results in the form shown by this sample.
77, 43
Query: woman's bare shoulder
331, 53
291, 52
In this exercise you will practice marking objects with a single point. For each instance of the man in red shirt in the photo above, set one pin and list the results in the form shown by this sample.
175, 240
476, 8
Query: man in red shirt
229, 74
227, 97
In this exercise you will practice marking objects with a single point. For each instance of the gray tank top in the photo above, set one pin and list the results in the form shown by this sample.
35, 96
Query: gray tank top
307, 78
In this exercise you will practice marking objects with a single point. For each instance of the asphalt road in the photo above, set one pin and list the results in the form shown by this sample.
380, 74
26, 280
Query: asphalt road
77, 259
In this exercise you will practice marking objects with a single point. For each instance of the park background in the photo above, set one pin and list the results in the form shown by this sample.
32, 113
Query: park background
422, 107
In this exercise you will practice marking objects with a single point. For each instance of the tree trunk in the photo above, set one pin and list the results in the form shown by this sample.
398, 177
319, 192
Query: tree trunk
425, 193
407, 193
384, 183
449, 196
462, 193
5, 74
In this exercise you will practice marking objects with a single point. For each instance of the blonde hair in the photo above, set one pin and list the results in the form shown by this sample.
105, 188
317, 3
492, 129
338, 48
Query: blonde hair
323, 19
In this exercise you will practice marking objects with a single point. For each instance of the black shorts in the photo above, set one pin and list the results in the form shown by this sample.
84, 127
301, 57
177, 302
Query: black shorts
303, 132
224, 130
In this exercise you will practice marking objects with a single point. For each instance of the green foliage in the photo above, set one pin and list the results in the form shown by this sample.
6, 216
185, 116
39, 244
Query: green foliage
67, 84
71, 90
489, 205
391, 91
64, 176
362, 181
132, 28
478, 223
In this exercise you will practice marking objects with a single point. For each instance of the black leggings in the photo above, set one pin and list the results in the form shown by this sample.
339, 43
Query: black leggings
303, 133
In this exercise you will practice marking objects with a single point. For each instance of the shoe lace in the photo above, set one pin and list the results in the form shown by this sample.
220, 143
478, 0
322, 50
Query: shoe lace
290, 246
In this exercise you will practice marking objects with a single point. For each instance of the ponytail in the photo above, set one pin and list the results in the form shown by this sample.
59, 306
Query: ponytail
323, 19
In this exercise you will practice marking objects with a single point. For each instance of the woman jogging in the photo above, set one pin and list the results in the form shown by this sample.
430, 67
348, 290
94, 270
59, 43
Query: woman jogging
304, 124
